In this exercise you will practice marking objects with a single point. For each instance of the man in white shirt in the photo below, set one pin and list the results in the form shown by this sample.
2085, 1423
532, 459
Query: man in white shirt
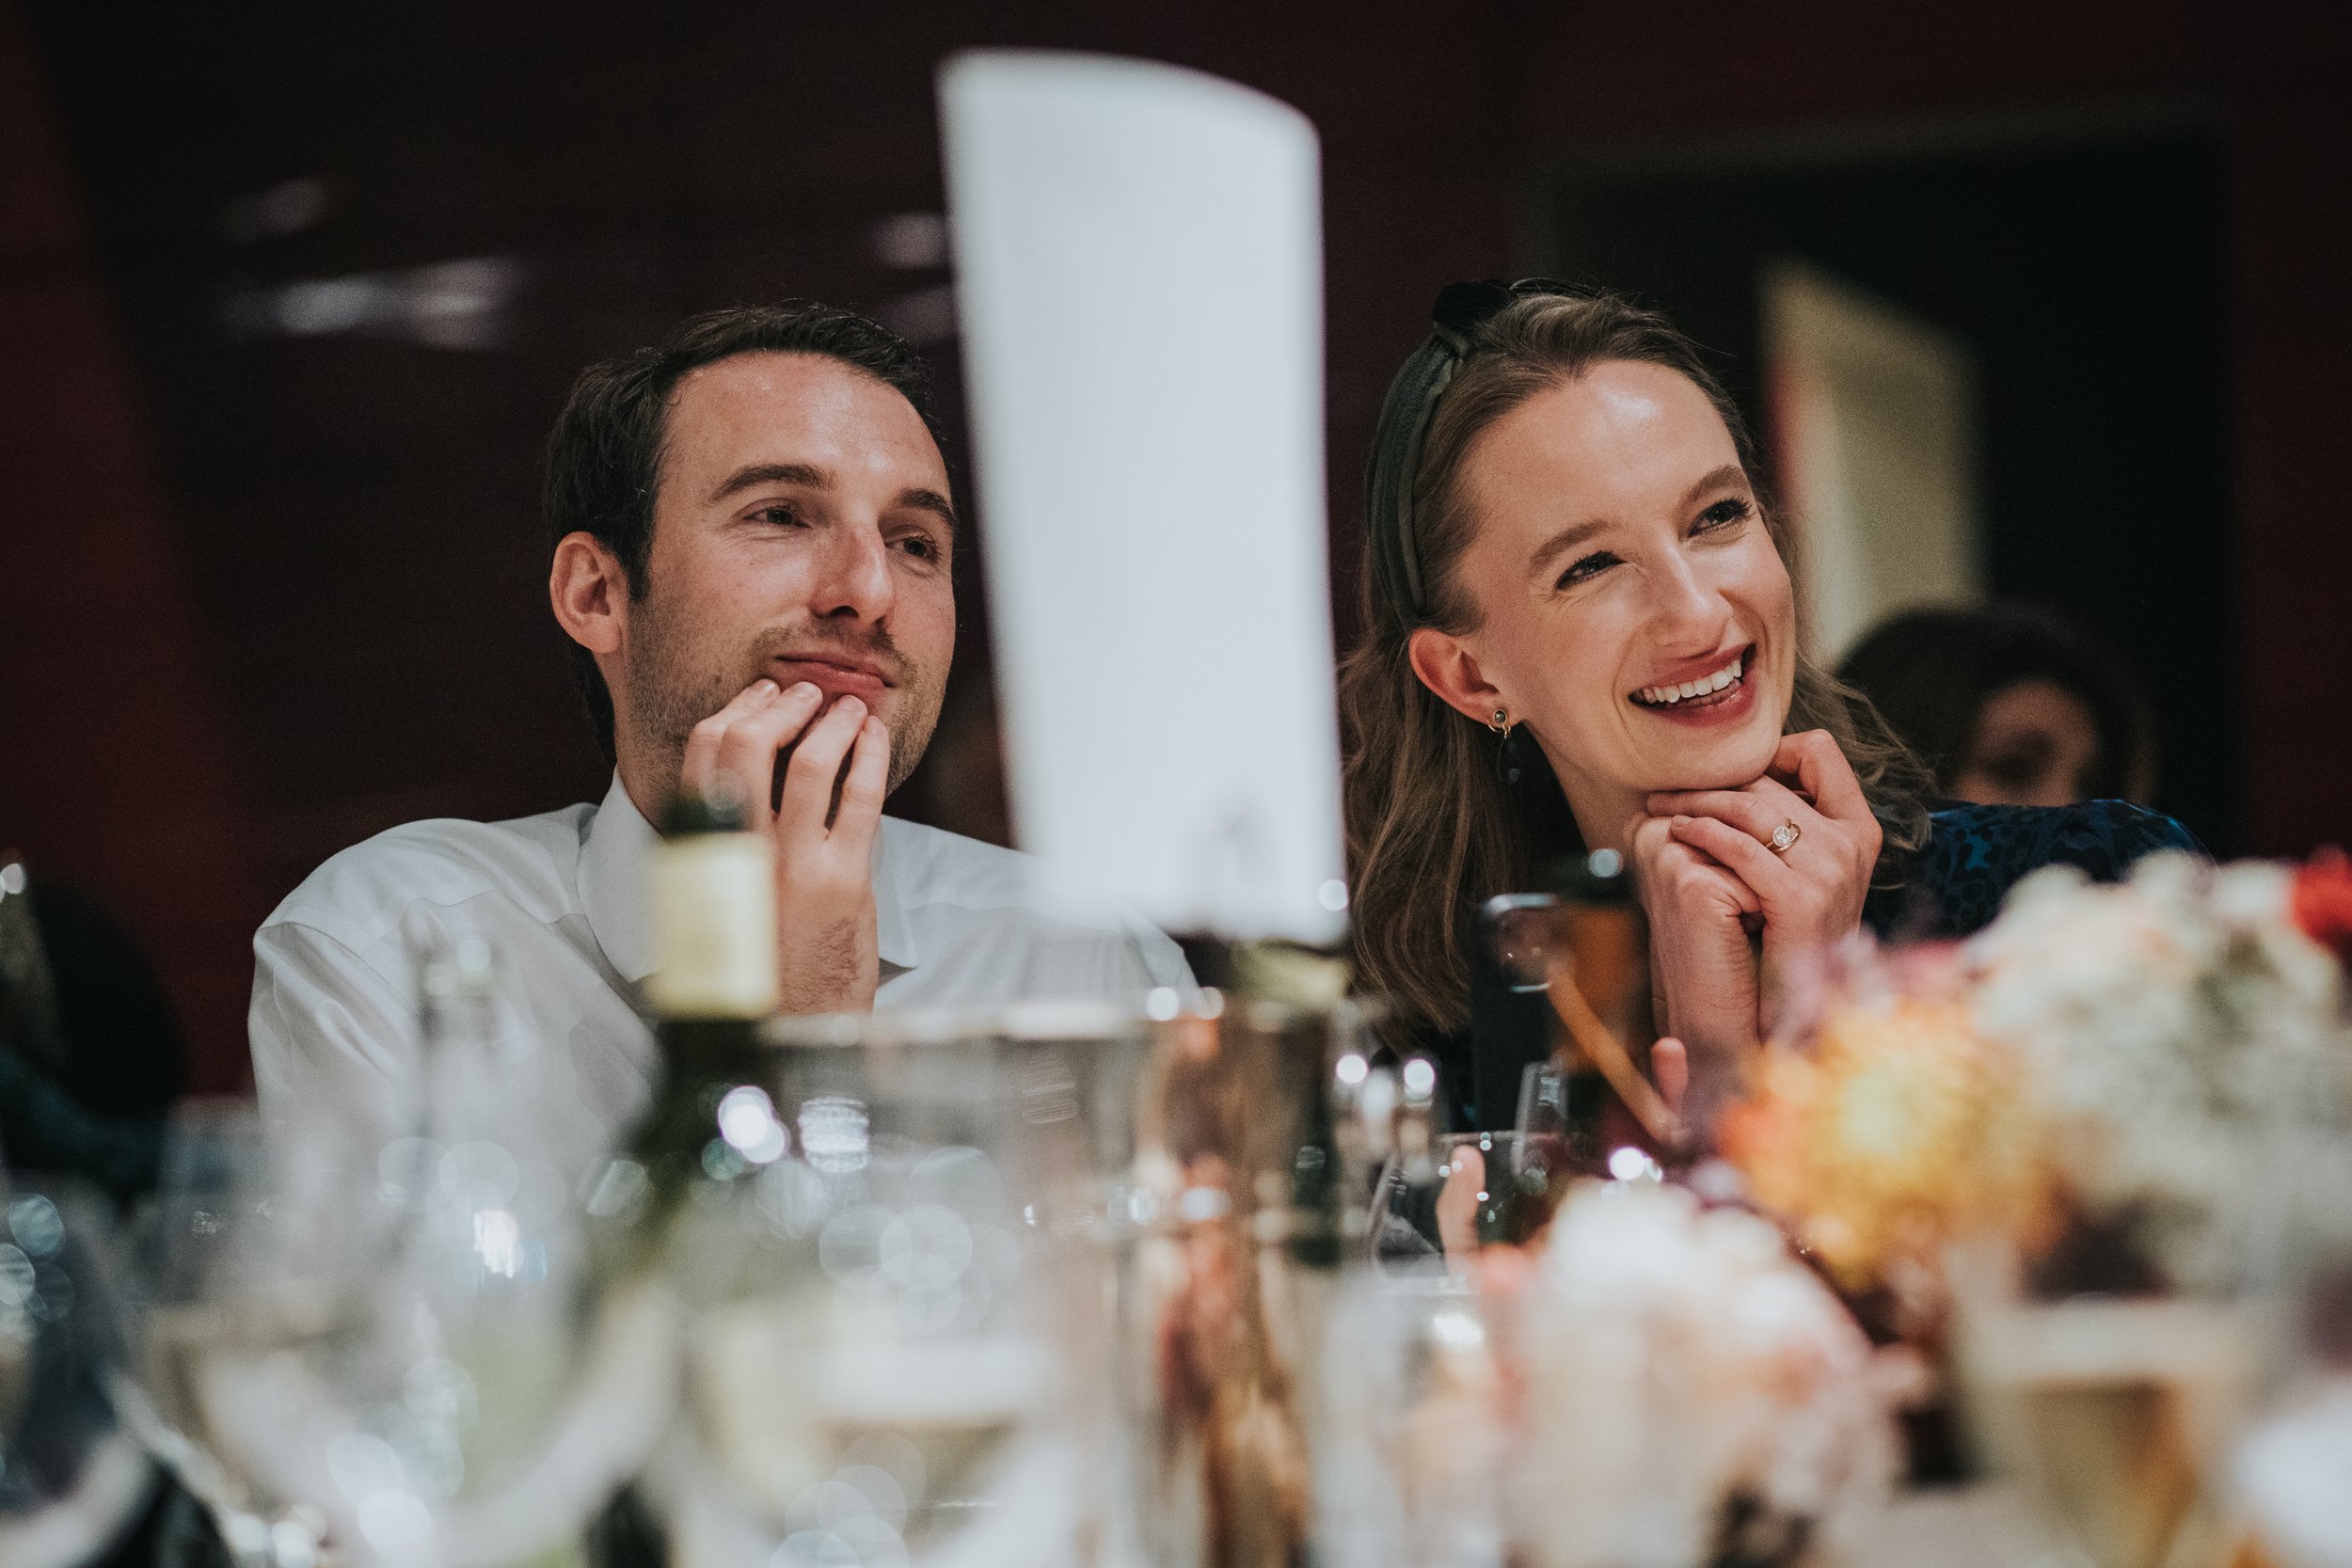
754, 540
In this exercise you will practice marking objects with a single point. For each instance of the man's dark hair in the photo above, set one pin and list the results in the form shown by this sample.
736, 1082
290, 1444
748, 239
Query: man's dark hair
604, 457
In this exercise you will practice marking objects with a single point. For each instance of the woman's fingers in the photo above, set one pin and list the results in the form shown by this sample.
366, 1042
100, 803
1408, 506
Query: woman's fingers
1703, 970
814, 768
1759, 810
1748, 860
1457, 1202
1822, 770
1670, 1068
1674, 874
1645, 836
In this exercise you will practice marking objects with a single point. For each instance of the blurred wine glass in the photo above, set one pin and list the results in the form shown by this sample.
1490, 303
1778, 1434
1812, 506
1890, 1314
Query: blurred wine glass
407, 1352
72, 1481
190, 1285
1489, 1189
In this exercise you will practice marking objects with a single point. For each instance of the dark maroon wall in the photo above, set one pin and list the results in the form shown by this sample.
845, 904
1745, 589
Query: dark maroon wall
116, 770
340, 531
2292, 156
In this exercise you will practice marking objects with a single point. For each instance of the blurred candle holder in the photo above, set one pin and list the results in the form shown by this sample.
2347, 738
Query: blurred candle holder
1261, 1125
2292, 1472
1410, 1469
2116, 1412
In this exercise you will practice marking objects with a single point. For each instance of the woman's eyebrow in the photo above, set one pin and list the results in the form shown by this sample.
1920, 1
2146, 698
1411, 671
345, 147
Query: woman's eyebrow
1729, 477
1562, 543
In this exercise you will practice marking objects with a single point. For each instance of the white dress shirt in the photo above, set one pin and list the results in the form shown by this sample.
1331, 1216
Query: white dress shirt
561, 897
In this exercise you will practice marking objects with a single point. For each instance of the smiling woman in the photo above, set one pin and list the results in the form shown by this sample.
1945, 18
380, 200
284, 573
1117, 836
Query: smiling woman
1569, 549
1567, 545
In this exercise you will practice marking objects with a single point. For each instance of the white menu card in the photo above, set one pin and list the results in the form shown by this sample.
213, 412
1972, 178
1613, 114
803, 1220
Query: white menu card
1138, 260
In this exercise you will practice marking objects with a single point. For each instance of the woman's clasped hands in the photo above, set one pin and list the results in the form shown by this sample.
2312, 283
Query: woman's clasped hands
1738, 881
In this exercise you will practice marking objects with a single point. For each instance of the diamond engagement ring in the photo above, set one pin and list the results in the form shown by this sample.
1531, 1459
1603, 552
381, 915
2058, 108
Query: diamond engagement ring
1783, 836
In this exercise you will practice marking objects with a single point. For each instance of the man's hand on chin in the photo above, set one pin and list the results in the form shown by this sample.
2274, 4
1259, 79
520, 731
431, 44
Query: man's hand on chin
826, 958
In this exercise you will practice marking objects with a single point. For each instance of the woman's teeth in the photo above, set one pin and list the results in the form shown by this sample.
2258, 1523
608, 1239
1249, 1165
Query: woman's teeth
1665, 696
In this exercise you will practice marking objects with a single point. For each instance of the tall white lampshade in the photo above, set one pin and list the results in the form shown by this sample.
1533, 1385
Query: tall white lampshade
1138, 264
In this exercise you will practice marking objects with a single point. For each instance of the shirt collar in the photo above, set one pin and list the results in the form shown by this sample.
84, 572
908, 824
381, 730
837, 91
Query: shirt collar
613, 888
893, 934
613, 883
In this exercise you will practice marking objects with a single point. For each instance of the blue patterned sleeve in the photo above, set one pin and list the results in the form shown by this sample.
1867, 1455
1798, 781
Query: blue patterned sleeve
1976, 854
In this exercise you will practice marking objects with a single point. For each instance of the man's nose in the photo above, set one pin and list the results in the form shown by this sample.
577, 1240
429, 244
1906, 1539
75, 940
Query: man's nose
853, 580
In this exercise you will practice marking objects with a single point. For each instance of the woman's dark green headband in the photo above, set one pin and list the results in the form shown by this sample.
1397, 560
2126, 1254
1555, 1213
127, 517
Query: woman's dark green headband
1461, 310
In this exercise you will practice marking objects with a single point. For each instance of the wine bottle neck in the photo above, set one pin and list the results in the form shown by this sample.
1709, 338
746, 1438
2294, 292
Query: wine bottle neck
714, 924
705, 1048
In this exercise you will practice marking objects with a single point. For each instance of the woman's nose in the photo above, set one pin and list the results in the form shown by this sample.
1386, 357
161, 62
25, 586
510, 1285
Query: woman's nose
1688, 605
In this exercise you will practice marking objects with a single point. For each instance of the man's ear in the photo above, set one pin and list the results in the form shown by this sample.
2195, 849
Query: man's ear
1447, 668
590, 592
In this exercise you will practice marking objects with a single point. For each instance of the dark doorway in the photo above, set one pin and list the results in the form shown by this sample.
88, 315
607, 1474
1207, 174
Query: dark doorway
2084, 271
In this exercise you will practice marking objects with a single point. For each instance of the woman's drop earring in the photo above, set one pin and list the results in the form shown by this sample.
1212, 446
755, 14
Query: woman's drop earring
1507, 765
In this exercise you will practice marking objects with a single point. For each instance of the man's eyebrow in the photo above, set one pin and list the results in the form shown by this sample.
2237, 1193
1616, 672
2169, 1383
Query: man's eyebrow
771, 473
917, 499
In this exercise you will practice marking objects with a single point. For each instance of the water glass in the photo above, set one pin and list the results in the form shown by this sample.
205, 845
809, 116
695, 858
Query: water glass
895, 1269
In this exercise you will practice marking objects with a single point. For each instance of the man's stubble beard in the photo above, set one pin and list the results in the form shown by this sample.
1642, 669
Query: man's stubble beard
674, 684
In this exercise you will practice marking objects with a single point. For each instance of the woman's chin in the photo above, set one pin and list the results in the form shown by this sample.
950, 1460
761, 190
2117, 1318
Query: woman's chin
1733, 762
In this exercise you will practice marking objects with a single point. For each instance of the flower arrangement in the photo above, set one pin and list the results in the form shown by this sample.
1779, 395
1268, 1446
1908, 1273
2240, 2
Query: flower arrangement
1689, 1392
2321, 902
2142, 1053
1893, 1127
2182, 1036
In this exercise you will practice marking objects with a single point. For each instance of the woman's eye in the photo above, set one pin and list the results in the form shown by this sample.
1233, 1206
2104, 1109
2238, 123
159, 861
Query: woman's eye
1723, 514
1586, 569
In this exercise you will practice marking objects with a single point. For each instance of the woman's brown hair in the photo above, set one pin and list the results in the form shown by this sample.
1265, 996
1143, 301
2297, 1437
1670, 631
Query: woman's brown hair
1432, 829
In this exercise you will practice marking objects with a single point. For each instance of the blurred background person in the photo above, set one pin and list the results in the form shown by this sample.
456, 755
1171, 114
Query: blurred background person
91, 1055
2010, 705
